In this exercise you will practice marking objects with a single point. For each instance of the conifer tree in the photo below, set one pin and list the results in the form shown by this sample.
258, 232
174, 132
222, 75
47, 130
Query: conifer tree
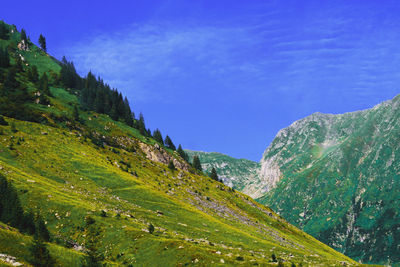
128, 118
4, 32
10, 208
33, 74
68, 76
23, 36
18, 64
214, 175
28, 223
42, 42
41, 229
158, 136
4, 58
11, 211
171, 165
75, 114
182, 153
93, 257
40, 255
3, 121
141, 125
114, 112
99, 101
168, 143
44, 85
197, 164
11, 83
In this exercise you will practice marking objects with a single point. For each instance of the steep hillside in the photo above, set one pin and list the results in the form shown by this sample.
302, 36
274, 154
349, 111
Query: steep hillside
338, 178
236, 173
81, 170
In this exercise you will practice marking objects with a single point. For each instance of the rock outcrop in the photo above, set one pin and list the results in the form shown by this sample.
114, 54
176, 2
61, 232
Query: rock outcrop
158, 154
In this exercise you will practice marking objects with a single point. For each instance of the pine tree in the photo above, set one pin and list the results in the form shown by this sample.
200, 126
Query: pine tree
99, 101
41, 229
214, 175
33, 74
168, 143
28, 223
40, 255
120, 106
75, 114
4, 58
11, 211
44, 85
23, 36
11, 83
68, 76
158, 136
197, 164
128, 118
3, 121
4, 32
93, 257
141, 125
18, 64
114, 112
42, 42
171, 165
182, 153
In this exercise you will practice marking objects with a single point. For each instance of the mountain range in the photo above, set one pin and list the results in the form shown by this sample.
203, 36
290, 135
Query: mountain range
337, 177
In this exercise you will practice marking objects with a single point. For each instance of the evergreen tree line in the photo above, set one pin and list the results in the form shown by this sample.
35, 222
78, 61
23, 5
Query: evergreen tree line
4, 32
4, 58
13, 94
12, 213
95, 95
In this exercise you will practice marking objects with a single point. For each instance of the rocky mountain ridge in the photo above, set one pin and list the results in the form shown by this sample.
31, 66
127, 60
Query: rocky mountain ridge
337, 177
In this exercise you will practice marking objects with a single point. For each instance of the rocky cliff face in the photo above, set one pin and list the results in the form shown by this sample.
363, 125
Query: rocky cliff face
338, 178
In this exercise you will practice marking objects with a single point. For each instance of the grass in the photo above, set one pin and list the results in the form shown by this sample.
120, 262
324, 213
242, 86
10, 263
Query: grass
68, 178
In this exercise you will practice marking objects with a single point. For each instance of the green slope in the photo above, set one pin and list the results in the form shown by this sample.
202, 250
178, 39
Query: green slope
337, 177
67, 170
236, 173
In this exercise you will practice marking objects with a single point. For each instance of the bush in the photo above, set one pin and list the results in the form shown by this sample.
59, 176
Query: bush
13, 128
151, 228
3, 121
103, 213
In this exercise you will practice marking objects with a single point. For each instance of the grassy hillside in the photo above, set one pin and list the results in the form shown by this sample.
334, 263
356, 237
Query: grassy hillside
68, 169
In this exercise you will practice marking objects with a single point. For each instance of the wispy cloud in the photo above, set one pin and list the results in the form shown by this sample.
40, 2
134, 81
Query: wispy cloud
144, 57
310, 57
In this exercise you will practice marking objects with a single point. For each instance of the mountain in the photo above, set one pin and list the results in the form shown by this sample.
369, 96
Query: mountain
75, 156
236, 173
337, 177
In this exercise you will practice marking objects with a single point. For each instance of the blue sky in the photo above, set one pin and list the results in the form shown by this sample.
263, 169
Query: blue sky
225, 76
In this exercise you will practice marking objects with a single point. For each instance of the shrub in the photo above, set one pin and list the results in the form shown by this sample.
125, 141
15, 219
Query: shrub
151, 228
3, 121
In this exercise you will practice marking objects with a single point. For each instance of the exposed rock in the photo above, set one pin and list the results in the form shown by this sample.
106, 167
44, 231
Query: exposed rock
23, 46
159, 154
